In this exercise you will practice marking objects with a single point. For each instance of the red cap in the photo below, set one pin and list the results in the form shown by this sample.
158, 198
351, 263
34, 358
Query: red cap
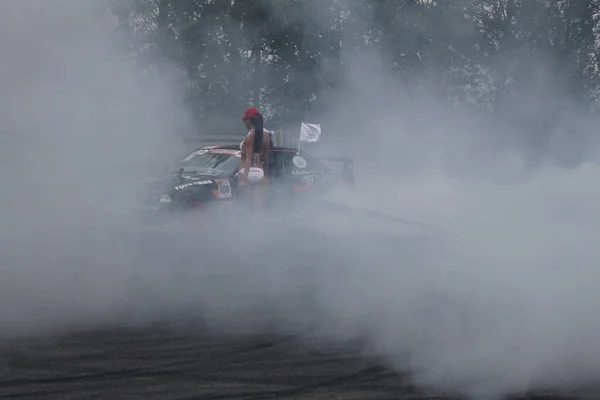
251, 113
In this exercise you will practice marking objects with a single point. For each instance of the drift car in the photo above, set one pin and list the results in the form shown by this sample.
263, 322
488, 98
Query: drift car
208, 176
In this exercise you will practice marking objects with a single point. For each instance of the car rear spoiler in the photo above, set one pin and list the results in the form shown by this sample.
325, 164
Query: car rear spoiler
338, 168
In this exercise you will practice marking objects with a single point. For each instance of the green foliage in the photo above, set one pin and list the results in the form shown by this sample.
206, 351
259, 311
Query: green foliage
286, 56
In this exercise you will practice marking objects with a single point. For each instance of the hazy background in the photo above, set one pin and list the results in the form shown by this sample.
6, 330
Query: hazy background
478, 118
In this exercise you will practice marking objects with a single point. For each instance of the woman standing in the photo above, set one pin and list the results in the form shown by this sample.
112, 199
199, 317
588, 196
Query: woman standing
254, 166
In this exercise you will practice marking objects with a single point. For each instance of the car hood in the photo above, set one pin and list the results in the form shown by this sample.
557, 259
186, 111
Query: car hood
170, 182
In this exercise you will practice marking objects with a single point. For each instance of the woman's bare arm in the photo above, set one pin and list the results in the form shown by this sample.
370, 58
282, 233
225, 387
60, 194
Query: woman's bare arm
266, 148
249, 145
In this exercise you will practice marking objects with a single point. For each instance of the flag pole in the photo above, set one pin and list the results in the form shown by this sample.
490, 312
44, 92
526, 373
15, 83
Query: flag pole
299, 140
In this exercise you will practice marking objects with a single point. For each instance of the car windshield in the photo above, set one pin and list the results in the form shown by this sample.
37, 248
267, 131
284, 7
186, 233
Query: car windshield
210, 161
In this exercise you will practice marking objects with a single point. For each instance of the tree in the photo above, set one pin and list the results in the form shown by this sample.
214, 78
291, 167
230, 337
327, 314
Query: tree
285, 57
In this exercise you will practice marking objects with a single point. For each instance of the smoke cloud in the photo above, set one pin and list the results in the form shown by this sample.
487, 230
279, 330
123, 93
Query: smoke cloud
503, 303
80, 122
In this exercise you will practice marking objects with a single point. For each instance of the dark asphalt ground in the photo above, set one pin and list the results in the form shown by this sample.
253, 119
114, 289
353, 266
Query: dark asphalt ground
155, 363
193, 362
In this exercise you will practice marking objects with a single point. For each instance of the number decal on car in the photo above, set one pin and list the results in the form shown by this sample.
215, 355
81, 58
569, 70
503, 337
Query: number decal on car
224, 188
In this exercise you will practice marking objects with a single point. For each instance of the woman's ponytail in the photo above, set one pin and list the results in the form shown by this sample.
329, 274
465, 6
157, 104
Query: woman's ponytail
258, 134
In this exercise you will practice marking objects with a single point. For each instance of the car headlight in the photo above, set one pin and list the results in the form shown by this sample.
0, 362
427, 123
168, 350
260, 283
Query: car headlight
164, 198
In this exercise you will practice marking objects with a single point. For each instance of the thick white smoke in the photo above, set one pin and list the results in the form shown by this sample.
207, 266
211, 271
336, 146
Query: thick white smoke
80, 121
503, 303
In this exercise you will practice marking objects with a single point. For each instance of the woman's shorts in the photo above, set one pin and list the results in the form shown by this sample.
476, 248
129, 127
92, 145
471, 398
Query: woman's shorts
255, 175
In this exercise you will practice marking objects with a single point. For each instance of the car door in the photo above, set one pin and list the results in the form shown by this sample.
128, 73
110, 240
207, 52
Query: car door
300, 171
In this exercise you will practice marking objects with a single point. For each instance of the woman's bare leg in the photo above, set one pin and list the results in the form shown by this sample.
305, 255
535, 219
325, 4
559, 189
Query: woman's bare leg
259, 213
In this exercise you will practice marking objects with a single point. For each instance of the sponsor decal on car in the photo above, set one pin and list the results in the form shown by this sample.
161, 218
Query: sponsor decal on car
299, 162
307, 176
231, 152
210, 150
308, 179
194, 154
305, 172
197, 183
208, 171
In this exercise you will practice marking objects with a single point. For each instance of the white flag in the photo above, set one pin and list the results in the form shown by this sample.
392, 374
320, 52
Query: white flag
310, 132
